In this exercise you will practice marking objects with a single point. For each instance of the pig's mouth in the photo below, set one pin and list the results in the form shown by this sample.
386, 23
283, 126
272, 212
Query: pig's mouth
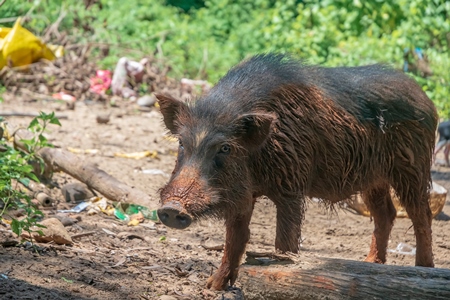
172, 214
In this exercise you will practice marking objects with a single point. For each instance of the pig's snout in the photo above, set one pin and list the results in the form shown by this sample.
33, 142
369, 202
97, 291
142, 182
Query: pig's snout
171, 215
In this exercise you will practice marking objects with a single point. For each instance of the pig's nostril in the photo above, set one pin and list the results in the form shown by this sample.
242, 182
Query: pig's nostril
164, 217
184, 219
172, 217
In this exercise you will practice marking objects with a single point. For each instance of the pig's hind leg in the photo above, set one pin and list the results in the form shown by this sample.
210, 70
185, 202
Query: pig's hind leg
378, 201
414, 198
289, 221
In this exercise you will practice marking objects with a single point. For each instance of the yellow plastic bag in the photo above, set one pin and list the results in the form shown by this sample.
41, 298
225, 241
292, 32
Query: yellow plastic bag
21, 47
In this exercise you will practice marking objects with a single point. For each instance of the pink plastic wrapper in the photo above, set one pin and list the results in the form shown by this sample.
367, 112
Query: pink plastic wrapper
101, 82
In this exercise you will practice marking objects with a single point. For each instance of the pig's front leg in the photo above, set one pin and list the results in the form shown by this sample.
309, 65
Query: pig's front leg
237, 236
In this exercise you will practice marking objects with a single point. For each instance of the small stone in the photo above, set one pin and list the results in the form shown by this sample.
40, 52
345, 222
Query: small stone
76, 192
103, 118
146, 100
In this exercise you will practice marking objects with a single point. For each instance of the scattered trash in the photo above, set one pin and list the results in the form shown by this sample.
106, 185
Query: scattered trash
123, 211
101, 82
99, 204
43, 199
19, 47
134, 222
403, 248
146, 100
81, 151
438, 195
137, 155
154, 172
125, 69
64, 96
131, 213
77, 209
3, 276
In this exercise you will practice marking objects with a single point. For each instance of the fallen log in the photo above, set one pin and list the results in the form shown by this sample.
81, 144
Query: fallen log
94, 177
320, 278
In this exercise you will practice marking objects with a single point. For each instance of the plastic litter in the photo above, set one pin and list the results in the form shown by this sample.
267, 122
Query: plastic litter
101, 82
137, 155
77, 209
123, 211
19, 47
125, 69
404, 248
64, 96
155, 172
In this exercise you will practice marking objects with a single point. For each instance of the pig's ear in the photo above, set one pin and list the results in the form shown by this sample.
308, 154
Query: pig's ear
254, 128
171, 109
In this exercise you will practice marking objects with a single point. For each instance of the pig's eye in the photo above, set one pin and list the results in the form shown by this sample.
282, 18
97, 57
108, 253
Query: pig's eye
181, 144
225, 149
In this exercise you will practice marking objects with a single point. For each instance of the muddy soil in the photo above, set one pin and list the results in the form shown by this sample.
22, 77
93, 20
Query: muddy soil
149, 261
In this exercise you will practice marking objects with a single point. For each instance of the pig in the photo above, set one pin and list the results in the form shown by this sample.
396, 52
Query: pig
444, 141
276, 127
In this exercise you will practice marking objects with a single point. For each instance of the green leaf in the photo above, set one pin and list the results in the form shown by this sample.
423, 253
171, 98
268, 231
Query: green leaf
67, 280
25, 181
33, 177
39, 232
42, 139
33, 123
16, 227
55, 121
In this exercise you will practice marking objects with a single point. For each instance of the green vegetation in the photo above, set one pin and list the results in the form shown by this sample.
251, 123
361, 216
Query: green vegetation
202, 39
15, 168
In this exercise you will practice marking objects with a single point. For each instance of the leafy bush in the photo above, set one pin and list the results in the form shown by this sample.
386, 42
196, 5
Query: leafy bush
15, 169
204, 38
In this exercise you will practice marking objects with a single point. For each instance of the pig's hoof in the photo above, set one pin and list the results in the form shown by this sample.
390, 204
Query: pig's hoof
217, 282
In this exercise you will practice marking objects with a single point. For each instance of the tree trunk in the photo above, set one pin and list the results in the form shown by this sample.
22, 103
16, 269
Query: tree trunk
319, 278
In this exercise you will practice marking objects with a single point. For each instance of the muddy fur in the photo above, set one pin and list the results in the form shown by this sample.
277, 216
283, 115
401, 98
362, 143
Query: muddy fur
298, 131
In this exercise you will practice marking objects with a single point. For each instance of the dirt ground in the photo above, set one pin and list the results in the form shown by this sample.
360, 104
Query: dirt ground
149, 261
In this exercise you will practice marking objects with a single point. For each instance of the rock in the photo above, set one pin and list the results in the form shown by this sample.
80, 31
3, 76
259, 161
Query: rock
65, 220
103, 118
146, 100
76, 192
54, 231
232, 294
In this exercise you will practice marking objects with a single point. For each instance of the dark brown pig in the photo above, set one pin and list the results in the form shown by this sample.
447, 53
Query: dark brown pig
273, 126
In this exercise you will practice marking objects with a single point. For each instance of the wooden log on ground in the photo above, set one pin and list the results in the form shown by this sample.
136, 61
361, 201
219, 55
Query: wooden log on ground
320, 278
94, 177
